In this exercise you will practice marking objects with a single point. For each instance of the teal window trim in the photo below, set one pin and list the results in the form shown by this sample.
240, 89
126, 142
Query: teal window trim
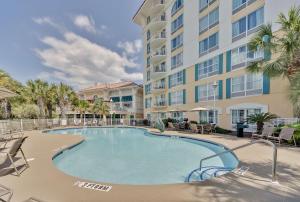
127, 98
196, 94
196, 72
228, 88
221, 64
169, 83
228, 61
266, 84
170, 101
220, 84
184, 77
184, 97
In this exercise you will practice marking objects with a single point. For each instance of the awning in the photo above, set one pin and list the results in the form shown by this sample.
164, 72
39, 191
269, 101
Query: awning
5, 93
199, 109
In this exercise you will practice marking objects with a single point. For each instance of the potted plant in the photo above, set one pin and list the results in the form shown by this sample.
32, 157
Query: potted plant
259, 119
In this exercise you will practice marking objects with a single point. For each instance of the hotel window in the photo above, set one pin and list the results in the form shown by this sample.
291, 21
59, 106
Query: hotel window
177, 115
210, 116
236, 4
148, 35
178, 4
209, 44
241, 115
247, 24
241, 56
148, 89
177, 23
176, 79
177, 60
148, 19
204, 3
148, 103
160, 100
160, 67
148, 48
128, 98
246, 85
208, 68
148, 75
177, 42
148, 61
177, 97
161, 84
206, 92
209, 20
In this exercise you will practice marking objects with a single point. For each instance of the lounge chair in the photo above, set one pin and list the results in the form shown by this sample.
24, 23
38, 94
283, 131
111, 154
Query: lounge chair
32, 199
5, 193
267, 132
194, 128
173, 126
77, 122
285, 134
8, 154
207, 128
95, 122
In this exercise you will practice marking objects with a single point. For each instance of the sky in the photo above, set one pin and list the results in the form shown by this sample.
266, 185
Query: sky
79, 42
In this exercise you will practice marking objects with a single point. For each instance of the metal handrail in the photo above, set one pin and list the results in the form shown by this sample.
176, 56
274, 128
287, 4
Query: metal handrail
274, 164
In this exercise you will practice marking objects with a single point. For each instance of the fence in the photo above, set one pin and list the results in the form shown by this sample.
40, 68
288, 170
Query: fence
9, 126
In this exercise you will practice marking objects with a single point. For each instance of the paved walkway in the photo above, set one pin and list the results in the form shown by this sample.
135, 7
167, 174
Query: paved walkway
44, 181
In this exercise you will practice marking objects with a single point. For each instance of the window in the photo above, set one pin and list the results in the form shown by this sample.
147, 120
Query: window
148, 19
177, 42
177, 23
240, 115
210, 116
239, 27
236, 4
204, 3
176, 79
208, 43
161, 84
148, 61
242, 55
160, 68
115, 99
248, 23
177, 115
177, 60
208, 68
209, 20
177, 97
160, 100
127, 98
256, 18
177, 6
148, 35
148, 75
148, 89
148, 103
246, 85
148, 48
206, 92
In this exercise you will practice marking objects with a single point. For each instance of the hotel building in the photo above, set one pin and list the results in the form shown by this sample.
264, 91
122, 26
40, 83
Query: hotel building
196, 55
125, 99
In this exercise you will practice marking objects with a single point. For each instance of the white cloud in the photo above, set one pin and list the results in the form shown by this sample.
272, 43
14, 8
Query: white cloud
131, 47
80, 62
85, 22
48, 21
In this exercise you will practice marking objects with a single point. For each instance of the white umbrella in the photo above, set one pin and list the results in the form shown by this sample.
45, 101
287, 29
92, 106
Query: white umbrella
199, 109
5, 93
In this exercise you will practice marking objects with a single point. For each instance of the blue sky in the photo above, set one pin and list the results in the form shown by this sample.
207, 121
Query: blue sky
75, 41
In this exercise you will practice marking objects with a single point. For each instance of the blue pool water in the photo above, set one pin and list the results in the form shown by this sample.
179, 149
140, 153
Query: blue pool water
136, 157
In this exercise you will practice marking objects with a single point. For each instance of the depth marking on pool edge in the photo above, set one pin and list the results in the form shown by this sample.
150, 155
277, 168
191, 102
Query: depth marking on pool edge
93, 186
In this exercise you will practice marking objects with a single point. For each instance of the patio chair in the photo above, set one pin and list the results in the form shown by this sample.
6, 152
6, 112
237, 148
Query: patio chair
171, 126
267, 132
194, 128
207, 128
5, 193
77, 122
95, 122
285, 134
8, 154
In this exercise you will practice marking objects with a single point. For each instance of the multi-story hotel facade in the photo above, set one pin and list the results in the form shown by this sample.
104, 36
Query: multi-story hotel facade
125, 99
196, 55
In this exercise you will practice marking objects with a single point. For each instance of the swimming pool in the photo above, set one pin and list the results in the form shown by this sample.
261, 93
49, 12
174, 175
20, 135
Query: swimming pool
134, 156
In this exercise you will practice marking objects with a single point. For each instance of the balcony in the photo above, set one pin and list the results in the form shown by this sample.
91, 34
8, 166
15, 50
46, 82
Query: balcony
158, 56
158, 40
161, 103
158, 6
158, 71
157, 23
158, 89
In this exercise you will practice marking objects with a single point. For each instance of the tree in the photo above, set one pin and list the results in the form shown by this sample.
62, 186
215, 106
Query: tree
30, 111
100, 107
65, 96
259, 119
82, 106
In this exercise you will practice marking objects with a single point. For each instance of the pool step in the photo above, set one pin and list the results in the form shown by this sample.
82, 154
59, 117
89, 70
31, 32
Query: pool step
207, 173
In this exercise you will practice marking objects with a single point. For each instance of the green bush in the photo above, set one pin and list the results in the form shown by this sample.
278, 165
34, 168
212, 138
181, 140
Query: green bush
29, 111
166, 121
222, 130
194, 122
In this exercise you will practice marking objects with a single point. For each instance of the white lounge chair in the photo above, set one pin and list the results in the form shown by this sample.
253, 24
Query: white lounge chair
8, 154
285, 134
267, 132
5, 193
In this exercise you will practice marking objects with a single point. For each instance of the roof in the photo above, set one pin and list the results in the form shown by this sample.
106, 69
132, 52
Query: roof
110, 86
141, 6
5, 93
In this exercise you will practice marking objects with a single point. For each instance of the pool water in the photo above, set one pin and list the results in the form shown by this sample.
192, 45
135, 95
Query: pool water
136, 157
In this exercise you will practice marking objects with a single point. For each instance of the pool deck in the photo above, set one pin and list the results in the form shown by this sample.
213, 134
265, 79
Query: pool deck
44, 181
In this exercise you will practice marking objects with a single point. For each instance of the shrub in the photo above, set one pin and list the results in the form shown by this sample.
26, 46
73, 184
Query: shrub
29, 111
222, 130
166, 121
194, 122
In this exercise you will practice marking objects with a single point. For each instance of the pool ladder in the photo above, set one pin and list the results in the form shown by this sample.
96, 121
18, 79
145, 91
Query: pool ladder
274, 163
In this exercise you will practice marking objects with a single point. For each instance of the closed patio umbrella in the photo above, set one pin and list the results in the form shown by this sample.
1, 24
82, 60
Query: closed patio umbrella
199, 109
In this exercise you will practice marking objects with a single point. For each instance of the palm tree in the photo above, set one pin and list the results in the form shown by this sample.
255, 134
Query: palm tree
82, 106
100, 107
50, 99
65, 96
285, 45
259, 119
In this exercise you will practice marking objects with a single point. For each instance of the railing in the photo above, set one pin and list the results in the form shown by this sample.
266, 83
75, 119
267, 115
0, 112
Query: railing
274, 163
285, 121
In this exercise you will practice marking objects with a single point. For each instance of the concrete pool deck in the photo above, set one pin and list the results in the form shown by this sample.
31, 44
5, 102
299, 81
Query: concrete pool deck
44, 181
